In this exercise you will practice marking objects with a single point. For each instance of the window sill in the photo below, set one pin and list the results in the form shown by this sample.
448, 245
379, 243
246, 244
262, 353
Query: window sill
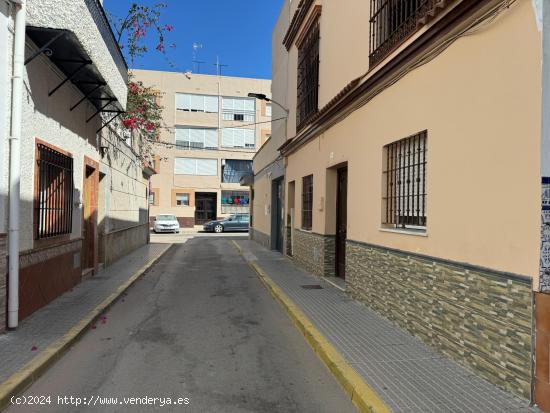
418, 233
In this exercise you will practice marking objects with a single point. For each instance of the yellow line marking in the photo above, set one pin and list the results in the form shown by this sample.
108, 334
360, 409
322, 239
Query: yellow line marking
29, 373
362, 395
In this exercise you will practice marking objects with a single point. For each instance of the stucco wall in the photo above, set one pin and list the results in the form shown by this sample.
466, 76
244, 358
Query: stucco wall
483, 127
82, 18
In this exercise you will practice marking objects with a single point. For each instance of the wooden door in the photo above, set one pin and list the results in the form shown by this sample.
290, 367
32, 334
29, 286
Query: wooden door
341, 222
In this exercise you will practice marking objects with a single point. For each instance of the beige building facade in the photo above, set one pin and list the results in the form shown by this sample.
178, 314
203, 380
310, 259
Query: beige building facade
412, 171
212, 131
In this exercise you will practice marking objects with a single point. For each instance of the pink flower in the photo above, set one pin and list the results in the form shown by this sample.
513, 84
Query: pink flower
169, 27
34, 348
160, 47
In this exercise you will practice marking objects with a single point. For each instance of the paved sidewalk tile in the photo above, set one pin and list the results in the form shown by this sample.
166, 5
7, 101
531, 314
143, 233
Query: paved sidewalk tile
408, 375
51, 322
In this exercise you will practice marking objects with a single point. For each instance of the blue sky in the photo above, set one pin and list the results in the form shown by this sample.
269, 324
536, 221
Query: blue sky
238, 31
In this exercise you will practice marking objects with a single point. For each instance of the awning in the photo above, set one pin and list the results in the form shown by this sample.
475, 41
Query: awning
66, 52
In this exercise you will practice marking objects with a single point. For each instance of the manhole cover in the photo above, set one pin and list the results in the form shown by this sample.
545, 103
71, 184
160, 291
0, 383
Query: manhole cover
312, 287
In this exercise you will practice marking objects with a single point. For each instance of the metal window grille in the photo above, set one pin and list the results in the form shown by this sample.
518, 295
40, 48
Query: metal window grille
405, 182
54, 205
307, 202
391, 22
308, 76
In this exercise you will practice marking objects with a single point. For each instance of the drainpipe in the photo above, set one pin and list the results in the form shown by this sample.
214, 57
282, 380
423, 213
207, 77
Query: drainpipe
15, 163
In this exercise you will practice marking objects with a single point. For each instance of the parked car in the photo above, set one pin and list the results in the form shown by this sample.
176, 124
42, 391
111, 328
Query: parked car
166, 223
237, 222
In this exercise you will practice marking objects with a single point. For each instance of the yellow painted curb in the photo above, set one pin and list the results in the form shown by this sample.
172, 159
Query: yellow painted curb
29, 373
362, 395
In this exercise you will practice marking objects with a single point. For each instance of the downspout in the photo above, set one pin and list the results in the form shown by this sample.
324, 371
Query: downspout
15, 163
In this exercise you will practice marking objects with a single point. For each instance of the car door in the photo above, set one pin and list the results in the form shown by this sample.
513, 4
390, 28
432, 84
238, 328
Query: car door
244, 221
231, 223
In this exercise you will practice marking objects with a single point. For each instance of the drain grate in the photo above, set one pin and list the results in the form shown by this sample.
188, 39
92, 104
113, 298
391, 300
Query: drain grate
312, 287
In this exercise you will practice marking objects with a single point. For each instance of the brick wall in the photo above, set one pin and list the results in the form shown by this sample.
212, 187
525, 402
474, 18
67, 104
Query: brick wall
3, 275
314, 252
478, 317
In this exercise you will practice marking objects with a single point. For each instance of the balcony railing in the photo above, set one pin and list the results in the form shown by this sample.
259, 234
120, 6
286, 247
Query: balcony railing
392, 22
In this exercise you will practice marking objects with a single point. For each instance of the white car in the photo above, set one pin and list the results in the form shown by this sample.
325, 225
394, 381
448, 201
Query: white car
166, 223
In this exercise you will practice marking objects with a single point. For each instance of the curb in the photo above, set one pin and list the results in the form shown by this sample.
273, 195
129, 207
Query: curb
362, 395
35, 368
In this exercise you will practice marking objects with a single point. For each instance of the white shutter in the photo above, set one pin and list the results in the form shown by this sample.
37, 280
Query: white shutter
207, 167
211, 138
197, 102
185, 166
250, 138
211, 104
183, 101
250, 105
228, 104
182, 135
238, 138
196, 136
239, 105
227, 137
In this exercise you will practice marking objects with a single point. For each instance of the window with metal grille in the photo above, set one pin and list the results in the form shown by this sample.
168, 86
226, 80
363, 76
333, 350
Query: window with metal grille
308, 76
54, 203
405, 182
307, 202
391, 22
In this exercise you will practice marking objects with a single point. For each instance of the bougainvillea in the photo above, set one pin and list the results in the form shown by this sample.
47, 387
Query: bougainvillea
132, 30
143, 113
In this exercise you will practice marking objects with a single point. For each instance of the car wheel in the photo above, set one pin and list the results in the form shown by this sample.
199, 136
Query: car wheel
218, 228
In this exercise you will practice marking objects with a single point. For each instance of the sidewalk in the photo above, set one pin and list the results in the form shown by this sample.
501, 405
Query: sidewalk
51, 329
406, 375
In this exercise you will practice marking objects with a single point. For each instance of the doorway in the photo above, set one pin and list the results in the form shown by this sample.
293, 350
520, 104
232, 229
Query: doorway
90, 194
205, 207
341, 222
277, 215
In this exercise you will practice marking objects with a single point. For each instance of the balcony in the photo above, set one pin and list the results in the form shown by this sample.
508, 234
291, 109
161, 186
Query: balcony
393, 21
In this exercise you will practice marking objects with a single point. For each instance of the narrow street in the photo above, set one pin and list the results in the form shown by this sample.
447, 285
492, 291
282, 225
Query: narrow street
199, 325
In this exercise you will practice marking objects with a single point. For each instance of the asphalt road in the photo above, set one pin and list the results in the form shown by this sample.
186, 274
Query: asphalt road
201, 326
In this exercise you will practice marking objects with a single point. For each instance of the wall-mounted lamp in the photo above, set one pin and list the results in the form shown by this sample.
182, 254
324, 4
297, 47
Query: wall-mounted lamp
103, 150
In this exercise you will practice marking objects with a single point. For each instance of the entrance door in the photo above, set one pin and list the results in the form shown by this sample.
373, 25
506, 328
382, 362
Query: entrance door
205, 207
88, 222
277, 215
341, 222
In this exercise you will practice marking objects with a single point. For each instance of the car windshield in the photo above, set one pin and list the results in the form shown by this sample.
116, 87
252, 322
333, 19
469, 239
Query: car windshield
166, 217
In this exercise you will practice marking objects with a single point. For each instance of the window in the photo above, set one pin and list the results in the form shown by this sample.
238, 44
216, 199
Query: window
238, 138
196, 166
234, 202
391, 22
197, 103
268, 110
234, 169
182, 199
308, 76
405, 182
196, 138
239, 109
307, 202
54, 204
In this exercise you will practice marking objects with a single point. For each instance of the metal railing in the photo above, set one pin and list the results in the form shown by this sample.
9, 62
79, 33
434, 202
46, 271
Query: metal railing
54, 203
405, 182
391, 22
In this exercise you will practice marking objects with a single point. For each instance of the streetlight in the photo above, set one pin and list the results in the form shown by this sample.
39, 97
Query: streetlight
262, 96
